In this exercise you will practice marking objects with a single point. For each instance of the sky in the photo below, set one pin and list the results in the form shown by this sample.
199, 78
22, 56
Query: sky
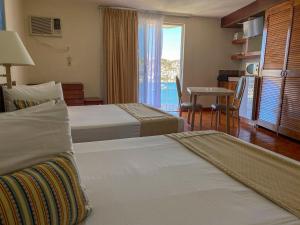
171, 43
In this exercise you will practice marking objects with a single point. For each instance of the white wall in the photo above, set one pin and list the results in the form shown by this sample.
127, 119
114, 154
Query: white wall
207, 49
81, 33
14, 17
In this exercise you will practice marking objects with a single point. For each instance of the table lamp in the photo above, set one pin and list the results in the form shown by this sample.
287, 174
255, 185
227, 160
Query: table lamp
12, 53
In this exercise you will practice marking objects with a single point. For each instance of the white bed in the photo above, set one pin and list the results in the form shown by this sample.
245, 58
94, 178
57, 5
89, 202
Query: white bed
105, 122
157, 181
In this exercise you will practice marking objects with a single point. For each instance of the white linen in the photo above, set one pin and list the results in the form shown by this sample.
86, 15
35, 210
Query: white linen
33, 135
41, 92
155, 180
104, 122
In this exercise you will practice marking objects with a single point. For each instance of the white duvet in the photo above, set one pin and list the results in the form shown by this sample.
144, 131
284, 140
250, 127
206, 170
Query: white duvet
104, 122
97, 123
156, 181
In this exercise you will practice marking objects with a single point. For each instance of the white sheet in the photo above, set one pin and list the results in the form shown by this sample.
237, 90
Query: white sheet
97, 123
156, 181
104, 122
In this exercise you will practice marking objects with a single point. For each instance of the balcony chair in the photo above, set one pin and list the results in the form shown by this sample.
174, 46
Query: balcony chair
187, 106
234, 107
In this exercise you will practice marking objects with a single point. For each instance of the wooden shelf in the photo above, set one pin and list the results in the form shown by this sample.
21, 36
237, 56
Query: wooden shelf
239, 41
247, 55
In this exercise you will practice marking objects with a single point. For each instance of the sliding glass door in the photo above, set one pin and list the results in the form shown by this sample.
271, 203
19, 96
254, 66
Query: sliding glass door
160, 61
2, 15
171, 65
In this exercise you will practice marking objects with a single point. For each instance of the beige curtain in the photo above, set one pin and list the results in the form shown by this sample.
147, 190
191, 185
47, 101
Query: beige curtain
120, 42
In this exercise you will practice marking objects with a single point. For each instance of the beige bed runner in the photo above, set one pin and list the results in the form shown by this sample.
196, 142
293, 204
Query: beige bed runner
153, 121
274, 177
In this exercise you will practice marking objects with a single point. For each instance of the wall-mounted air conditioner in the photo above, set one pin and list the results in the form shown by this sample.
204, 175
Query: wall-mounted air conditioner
254, 27
45, 26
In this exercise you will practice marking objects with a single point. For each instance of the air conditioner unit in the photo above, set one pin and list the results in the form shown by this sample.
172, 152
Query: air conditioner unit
254, 27
45, 26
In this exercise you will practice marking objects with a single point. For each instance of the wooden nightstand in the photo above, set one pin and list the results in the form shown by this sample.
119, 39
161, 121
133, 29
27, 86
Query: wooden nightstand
93, 101
73, 94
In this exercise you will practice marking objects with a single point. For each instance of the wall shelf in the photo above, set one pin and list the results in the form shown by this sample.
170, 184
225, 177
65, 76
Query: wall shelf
247, 55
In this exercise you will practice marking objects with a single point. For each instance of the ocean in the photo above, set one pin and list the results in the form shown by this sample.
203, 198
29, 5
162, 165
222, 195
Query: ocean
169, 96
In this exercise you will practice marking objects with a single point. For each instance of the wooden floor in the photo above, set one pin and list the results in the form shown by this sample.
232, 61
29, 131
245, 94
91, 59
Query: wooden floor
258, 136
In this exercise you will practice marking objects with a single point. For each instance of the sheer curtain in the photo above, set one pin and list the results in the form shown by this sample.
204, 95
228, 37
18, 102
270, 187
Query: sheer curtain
150, 50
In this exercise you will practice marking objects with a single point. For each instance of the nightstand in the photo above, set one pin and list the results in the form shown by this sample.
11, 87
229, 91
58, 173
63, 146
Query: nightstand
93, 101
73, 94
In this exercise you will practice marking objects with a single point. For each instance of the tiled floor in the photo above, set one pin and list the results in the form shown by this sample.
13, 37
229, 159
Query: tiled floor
258, 136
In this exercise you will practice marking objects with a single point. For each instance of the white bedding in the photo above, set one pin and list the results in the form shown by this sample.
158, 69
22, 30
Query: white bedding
156, 181
105, 122
97, 123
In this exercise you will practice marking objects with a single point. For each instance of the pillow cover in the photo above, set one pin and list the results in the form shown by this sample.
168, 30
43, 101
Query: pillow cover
47, 193
23, 104
33, 135
42, 92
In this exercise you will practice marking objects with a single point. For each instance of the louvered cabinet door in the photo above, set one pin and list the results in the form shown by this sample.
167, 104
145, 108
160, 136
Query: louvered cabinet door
290, 114
278, 20
270, 101
294, 48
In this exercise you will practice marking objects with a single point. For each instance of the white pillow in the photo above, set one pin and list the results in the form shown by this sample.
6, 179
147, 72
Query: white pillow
42, 92
33, 135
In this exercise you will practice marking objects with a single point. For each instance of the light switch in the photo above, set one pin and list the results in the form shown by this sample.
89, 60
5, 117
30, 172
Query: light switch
69, 60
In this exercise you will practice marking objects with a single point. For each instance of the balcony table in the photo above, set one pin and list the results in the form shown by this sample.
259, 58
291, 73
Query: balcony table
194, 92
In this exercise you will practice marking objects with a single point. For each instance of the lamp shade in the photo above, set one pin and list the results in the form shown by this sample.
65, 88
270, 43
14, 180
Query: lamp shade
12, 50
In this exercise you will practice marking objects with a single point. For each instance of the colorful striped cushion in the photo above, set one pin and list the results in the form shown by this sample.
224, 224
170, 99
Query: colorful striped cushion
47, 193
22, 104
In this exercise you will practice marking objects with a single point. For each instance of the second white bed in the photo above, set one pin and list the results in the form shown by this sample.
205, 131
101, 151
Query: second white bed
105, 122
155, 180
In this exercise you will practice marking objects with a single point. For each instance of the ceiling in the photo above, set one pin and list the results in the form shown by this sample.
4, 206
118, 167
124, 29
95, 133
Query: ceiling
205, 8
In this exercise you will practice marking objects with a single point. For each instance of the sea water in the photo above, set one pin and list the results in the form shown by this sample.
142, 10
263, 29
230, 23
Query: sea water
169, 96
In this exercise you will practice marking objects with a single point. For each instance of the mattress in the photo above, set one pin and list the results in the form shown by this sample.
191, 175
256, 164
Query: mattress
155, 180
96, 123
105, 122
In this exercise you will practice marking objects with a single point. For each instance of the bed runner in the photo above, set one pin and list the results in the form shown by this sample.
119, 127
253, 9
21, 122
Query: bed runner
153, 121
276, 178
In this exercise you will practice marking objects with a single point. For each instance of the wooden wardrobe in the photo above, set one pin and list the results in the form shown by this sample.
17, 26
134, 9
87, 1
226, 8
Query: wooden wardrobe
279, 105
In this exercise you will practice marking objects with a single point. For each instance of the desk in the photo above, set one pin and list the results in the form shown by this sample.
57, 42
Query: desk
194, 92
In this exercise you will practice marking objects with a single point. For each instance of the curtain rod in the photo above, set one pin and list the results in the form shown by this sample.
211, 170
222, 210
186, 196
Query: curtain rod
164, 13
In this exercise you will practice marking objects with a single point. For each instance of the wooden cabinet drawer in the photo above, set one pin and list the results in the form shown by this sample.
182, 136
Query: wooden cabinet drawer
93, 101
73, 94
74, 102
72, 86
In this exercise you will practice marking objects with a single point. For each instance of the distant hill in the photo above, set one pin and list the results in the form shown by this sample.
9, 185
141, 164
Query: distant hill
169, 70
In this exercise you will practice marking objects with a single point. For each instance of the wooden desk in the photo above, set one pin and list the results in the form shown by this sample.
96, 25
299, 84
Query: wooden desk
194, 92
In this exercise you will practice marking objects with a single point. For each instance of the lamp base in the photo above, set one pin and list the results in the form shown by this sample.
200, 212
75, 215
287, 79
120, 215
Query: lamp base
8, 76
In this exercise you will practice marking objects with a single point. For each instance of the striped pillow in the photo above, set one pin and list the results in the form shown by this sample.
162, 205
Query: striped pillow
22, 104
47, 193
